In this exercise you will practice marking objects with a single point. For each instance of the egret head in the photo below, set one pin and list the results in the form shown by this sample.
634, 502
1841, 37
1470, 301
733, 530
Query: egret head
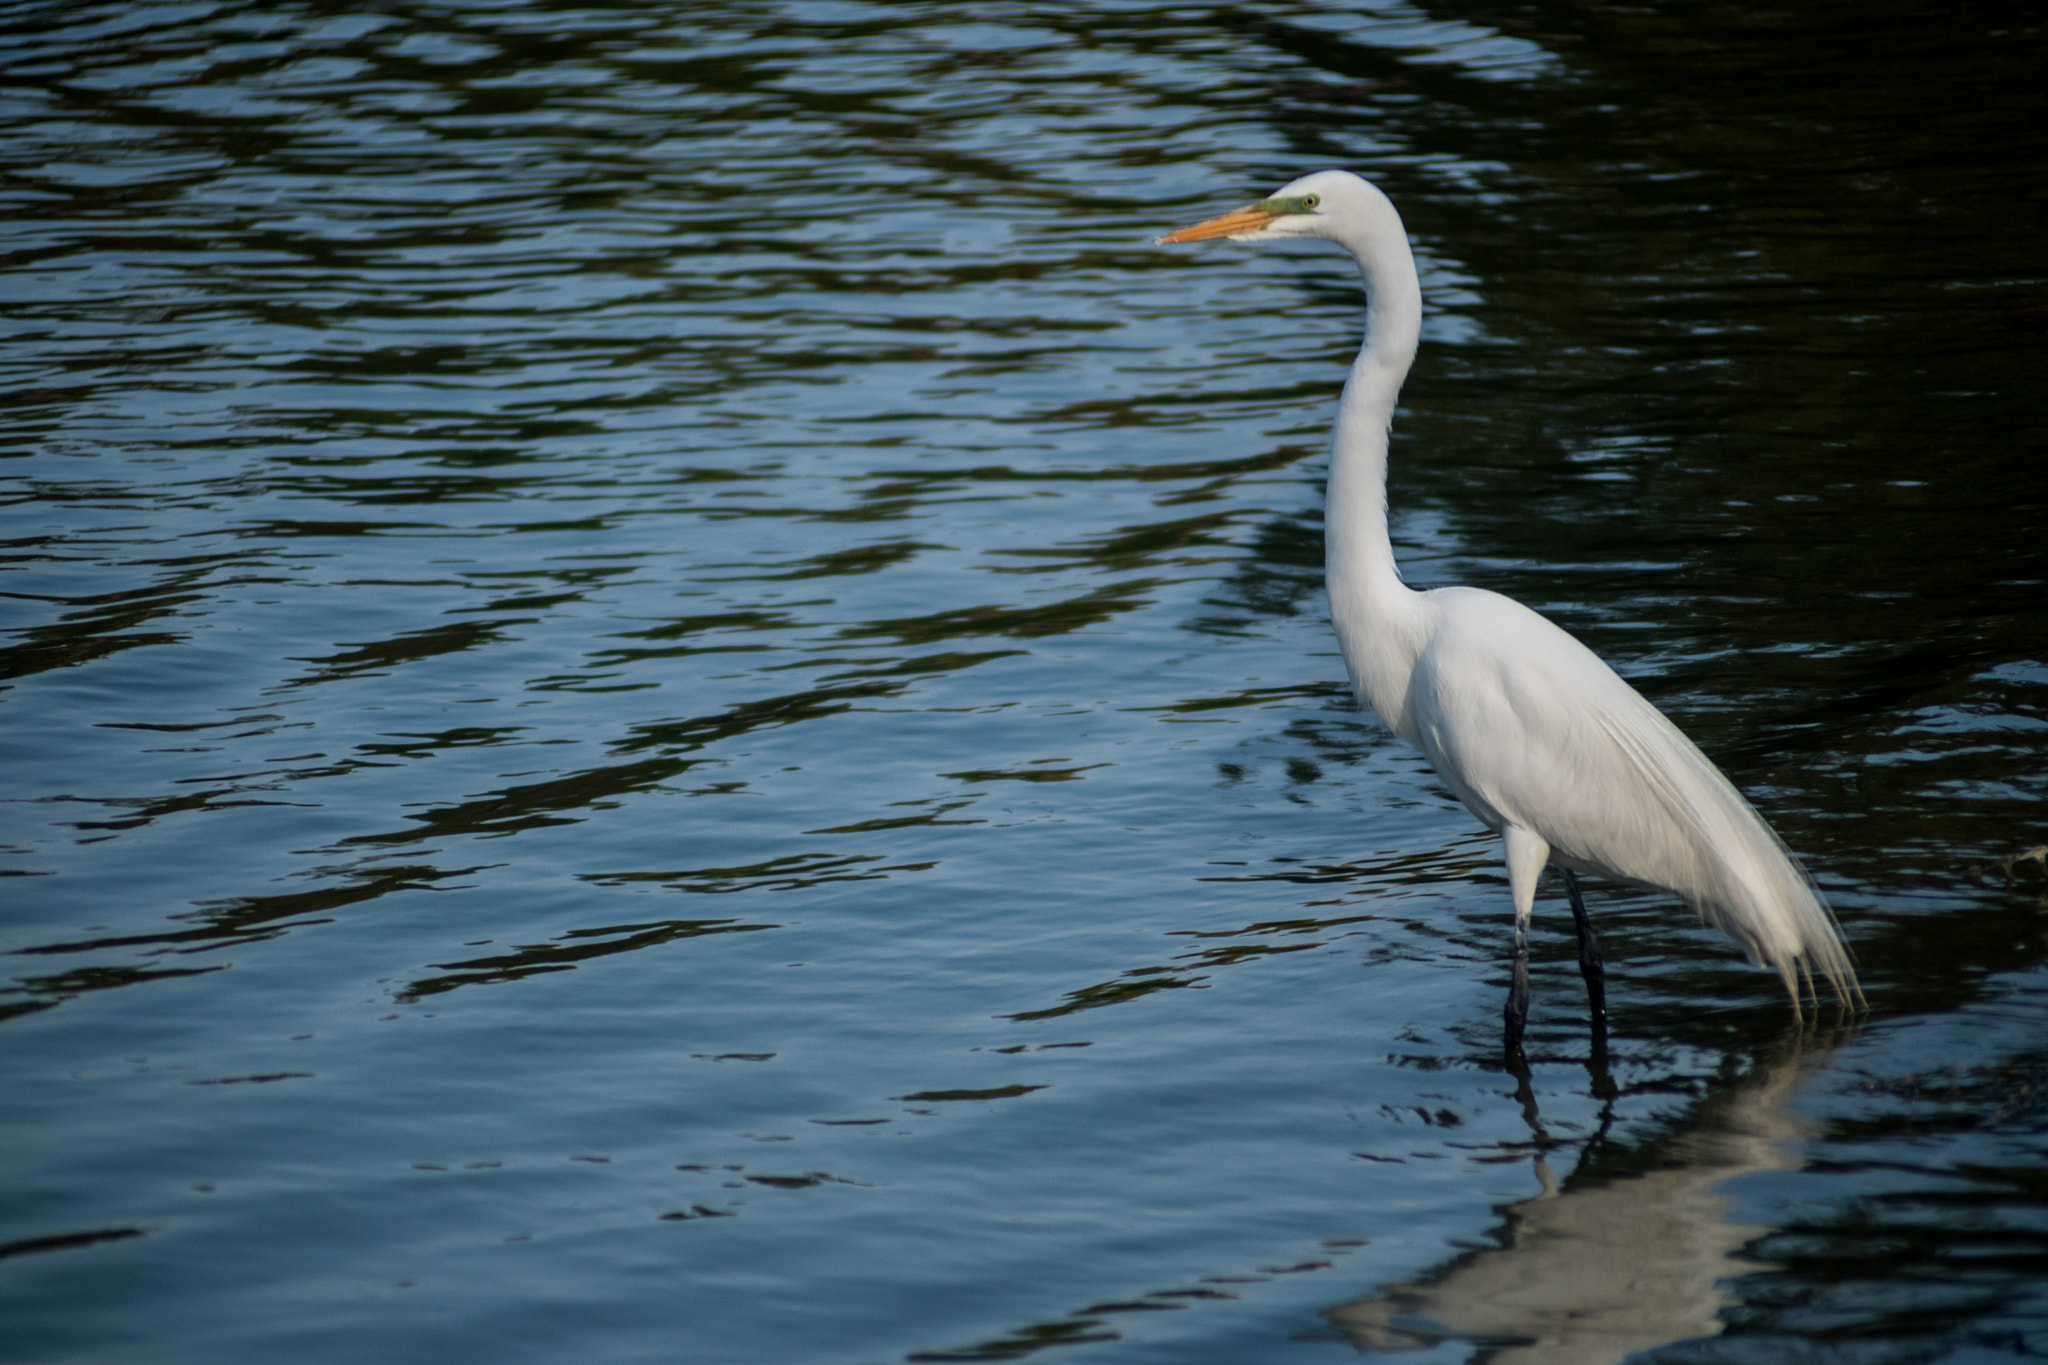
1317, 205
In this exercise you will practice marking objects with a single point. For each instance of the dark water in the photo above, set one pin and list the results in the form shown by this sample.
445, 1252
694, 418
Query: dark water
669, 698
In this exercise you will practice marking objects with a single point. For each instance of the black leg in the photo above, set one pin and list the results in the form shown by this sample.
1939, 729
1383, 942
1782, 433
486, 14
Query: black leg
1590, 965
1517, 1014
1595, 972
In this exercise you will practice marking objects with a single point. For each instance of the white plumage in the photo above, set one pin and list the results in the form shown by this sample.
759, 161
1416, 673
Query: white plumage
1540, 739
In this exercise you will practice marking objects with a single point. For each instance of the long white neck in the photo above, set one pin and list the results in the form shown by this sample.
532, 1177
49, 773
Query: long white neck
1378, 618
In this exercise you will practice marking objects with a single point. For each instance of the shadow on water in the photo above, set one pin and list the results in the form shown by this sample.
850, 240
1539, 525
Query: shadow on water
1674, 1248
1605, 1265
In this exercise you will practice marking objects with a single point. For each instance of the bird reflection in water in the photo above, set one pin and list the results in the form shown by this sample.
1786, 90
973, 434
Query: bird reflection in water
1589, 1273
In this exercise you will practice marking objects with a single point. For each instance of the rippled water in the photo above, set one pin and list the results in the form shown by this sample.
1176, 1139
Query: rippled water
669, 699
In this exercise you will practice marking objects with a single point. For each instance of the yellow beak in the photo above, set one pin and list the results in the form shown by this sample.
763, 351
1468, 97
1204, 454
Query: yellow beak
1235, 223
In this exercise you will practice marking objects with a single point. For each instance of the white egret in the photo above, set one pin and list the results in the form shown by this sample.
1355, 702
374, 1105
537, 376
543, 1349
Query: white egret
1539, 738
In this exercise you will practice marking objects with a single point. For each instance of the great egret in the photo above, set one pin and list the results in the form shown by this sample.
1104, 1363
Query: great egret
1540, 739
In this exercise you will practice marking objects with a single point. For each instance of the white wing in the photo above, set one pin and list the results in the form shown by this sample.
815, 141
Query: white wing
1531, 729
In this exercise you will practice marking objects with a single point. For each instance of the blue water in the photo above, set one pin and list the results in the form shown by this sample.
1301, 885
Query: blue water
669, 699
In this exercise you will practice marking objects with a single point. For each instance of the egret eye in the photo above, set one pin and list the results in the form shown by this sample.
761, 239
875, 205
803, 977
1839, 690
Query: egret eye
1310, 201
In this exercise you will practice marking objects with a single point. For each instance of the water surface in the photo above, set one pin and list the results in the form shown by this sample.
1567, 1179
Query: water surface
668, 696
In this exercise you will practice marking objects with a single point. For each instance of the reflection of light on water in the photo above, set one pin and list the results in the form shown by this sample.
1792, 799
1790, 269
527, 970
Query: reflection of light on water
1592, 1274
503, 530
